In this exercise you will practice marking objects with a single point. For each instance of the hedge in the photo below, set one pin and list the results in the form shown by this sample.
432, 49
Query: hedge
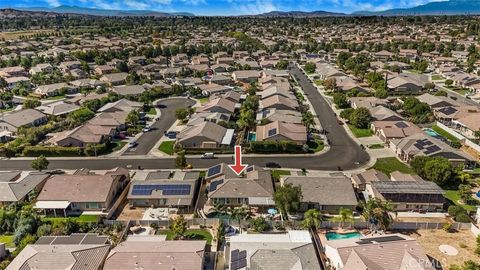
51, 151
275, 147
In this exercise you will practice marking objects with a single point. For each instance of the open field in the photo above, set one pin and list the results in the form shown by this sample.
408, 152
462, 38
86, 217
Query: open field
18, 34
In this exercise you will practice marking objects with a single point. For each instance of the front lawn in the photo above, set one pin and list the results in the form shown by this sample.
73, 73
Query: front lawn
203, 100
444, 133
437, 78
360, 132
167, 147
152, 111
454, 197
316, 145
55, 97
118, 145
376, 146
8, 240
276, 174
391, 164
193, 234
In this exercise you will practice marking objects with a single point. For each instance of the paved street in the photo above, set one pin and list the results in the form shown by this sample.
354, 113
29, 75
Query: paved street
343, 153
147, 140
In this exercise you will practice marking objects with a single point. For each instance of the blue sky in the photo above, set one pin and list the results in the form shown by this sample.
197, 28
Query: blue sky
224, 7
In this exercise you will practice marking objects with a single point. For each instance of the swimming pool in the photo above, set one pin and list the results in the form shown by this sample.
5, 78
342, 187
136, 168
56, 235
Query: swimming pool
432, 133
252, 136
338, 236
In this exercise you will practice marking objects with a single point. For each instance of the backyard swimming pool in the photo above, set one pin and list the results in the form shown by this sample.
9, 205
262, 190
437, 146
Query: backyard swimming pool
252, 137
432, 133
338, 236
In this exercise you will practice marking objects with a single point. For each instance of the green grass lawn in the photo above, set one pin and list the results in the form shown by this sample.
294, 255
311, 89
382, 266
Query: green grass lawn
444, 133
167, 147
415, 71
437, 77
376, 146
203, 100
454, 197
318, 82
316, 146
392, 164
276, 174
55, 97
8, 240
152, 111
118, 145
360, 132
190, 234
462, 91
81, 218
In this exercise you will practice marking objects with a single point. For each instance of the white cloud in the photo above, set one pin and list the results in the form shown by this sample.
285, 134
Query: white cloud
258, 7
53, 3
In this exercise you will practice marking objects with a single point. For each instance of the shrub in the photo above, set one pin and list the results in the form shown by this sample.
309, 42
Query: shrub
448, 227
454, 210
462, 217
51, 151
273, 147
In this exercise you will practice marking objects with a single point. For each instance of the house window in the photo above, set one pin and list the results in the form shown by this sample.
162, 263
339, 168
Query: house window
92, 205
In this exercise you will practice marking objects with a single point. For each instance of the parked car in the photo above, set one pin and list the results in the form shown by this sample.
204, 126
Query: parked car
208, 156
132, 144
147, 129
272, 165
171, 134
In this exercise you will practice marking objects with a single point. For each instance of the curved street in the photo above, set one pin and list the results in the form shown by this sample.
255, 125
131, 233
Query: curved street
344, 152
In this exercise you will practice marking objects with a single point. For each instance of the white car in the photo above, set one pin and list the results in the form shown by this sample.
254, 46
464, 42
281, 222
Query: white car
147, 129
132, 144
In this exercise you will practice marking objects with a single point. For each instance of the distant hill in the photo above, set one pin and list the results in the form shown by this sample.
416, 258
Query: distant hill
303, 14
8, 13
102, 12
452, 7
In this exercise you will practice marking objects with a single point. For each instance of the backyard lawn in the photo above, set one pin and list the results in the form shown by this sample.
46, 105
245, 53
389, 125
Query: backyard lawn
8, 240
454, 196
444, 133
152, 111
392, 164
203, 100
360, 132
81, 218
437, 77
167, 147
192, 234
276, 174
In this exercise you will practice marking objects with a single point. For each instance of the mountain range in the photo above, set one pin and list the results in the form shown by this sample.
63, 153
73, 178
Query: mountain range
451, 7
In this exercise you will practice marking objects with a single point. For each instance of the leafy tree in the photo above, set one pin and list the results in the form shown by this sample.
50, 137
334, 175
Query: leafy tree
181, 114
340, 100
308, 120
122, 66
282, 64
361, 118
439, 170
288, 198
79, 116
381, 93
258, 224
179, 226
310, 67
465, 192
31, 103
239, 214
376, 213
311, 219
420, 66
347, 113
133, 117
330, 84
181, 160
448, 82
418, 164
344, 215
40, 163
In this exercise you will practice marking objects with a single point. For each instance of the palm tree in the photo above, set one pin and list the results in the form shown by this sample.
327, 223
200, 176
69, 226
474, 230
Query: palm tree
240, 213
219, 207
376, 213
308, 120
345, 215
311, 219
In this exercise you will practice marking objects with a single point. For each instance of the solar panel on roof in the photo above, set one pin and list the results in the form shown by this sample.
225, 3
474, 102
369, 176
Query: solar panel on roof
213, 170
272, 132
448, 110
168, 189
242, 263
242, 254
214, 185
401, 125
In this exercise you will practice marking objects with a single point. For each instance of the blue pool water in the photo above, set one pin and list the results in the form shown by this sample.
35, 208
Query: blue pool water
338, 236
431, 132
252, 137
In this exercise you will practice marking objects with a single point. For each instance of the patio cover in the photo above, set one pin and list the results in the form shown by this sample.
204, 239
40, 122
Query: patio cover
52, 204
261, 201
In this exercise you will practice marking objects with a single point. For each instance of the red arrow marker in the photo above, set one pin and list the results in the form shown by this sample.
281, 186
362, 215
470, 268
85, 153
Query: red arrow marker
238, 167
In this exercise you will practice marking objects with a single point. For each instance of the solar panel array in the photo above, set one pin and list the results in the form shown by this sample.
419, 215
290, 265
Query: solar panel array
401, 125
168, 189
215, 184
448, 110
238, 259
214, 170
272, 132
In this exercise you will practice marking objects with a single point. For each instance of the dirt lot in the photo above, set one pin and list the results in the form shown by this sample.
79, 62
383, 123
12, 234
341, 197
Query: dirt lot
128, 214
463, 241
17, 34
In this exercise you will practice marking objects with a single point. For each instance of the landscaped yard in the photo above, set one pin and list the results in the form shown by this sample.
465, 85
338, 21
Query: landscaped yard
167, 147
316, 145
376, 146
81, 218
55, 97
454, 196
8, 240
392, 164
192, 234
318, 82
118, 145
360, 132
276, 174
203, 100
437, 77
152, 111
444, 133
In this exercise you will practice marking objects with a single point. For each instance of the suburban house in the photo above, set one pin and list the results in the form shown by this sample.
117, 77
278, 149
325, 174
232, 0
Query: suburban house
54, 89
255, 189
205, 135
406, 83
129, 90
388, 130
468, 125
155, 252
286, 116
75, 251
365, 102
281, 131
380, 113
123, 105
213, 117
220, 105
327, 194
361, 180
422, 144
279, 102
58, 108
290, 250
24, 118
82, 192
113, 79
408, 195
160, 189
15, 185
213, 88
374, 252
246, 76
